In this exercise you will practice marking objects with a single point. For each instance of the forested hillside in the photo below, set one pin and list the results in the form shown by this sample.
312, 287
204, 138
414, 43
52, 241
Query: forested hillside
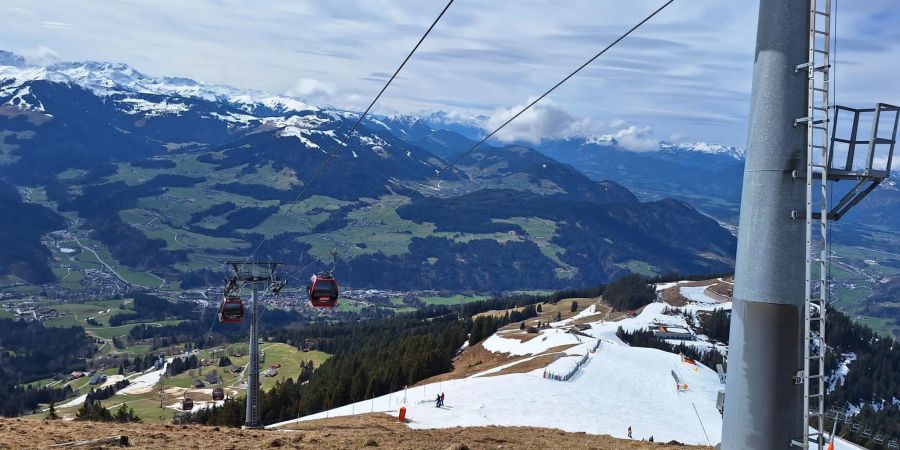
21, 227
29, 351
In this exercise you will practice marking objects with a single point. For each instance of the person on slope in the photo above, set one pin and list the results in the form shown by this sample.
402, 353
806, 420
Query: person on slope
629, 432
442, 399
437, 401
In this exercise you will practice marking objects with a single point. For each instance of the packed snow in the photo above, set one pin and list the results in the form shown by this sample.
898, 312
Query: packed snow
145, 382
697, 294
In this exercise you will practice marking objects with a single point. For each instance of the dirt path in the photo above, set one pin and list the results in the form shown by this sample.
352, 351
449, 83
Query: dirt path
371, 430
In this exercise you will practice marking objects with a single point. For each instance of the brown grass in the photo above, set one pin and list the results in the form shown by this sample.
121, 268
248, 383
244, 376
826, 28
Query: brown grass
368, 430
475, 359
672, 296
497, 312
719, 290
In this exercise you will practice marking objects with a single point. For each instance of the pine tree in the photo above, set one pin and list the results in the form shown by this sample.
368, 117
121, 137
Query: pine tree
539, 308
558, 316
126, 414
574, 307
93, 410
522, 325
51, 413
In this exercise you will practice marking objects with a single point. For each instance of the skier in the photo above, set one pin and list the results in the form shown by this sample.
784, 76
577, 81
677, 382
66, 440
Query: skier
442, 399
629, 432
437, 401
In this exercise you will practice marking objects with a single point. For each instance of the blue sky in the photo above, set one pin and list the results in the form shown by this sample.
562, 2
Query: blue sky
684, 77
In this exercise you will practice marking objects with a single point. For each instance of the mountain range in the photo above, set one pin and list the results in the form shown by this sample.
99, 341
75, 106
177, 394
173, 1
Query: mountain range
170, 175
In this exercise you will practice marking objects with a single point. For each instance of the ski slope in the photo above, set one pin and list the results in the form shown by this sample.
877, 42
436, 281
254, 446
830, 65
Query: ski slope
617, 387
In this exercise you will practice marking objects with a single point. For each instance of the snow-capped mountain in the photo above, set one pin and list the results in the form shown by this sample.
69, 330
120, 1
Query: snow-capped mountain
138, 94
705, 148
106, 79
114, 112
123, 83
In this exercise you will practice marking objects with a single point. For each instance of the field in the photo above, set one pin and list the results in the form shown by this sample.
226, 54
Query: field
453, 299
856, 271
122, 330
100, 311
146, 403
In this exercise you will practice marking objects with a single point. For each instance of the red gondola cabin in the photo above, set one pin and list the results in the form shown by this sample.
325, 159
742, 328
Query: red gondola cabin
187, 404
323, 290
218, 394
231, 310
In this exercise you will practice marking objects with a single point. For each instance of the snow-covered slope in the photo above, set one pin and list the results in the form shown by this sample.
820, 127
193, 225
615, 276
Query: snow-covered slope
616, 387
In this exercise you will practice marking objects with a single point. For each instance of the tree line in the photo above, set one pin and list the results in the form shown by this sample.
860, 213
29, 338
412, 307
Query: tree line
178, 365
645, 338
106, 392
94, 411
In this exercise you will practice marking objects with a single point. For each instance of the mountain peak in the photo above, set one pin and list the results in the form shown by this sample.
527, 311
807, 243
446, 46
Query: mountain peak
703, 147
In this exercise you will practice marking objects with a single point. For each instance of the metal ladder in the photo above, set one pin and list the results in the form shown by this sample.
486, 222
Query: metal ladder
817, 120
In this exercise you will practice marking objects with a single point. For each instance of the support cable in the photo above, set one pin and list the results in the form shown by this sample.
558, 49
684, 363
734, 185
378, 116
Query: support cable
471, 149
343, 141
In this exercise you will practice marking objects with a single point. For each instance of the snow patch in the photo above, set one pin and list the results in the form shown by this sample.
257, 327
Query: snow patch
697, 294
134, 106
546, 340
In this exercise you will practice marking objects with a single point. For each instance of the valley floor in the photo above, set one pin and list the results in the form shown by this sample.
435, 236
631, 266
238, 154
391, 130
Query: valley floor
369, 430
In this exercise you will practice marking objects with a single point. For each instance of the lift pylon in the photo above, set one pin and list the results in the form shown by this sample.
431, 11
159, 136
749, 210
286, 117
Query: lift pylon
831, 156
254, 274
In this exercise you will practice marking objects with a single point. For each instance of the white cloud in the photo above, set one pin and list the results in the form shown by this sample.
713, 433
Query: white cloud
310, 88
637, 139
549, 121
52, 25
40, 55
323, 93
542, 121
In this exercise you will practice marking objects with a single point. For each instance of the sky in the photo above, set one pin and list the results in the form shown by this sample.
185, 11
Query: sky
683, 77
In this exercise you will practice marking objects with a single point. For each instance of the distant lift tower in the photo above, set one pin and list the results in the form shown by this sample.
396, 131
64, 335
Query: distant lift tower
799, 146
255, 274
